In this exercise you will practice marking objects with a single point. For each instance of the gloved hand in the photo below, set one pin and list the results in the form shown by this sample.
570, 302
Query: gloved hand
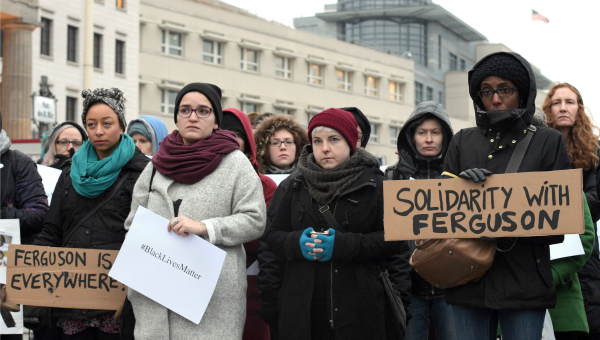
9, 306
475, 174
327, 245
304, 240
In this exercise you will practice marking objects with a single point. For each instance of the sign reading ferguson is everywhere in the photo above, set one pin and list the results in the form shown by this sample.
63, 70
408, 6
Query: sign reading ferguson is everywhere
63, 277
504, 205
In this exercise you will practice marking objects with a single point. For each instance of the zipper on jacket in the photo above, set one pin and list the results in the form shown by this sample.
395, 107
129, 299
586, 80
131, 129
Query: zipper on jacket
428, 170
331, 292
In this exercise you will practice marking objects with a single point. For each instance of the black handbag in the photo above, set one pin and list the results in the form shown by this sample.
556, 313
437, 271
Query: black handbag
393, 301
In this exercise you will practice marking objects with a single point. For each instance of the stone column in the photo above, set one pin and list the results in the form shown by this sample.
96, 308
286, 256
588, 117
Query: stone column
16, 79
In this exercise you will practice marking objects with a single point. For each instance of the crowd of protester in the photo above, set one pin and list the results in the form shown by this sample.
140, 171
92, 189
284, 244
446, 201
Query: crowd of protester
317, 237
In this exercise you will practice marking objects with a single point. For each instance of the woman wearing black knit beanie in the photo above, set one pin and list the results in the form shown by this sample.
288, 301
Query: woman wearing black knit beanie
516, 291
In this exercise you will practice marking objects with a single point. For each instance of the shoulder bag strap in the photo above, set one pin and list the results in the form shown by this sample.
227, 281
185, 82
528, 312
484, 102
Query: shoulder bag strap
329, 217
519, 153
97, 207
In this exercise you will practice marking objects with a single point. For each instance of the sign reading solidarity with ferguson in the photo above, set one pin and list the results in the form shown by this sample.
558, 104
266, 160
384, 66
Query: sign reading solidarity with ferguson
63, 277
504, 205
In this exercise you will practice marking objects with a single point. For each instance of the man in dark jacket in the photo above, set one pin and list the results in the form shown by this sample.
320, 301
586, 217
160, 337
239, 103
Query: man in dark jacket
518, 288
422, 145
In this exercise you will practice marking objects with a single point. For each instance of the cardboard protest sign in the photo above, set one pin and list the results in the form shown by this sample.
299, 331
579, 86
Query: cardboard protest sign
63, 277
10, 233
505, 205
189, 263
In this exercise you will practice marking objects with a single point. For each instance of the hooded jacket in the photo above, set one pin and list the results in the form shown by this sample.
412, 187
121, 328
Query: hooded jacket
363, 123
411, 165
520, 278
156, 127
255, 328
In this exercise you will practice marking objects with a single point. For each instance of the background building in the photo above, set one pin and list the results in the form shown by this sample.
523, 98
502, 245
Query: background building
46, 38
267, 67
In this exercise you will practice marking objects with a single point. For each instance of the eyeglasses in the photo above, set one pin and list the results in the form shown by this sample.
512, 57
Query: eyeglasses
65, 142
360, 136
201, 112
277, 143
502, 93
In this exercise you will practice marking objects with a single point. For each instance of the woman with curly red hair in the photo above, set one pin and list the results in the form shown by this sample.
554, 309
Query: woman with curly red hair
279, 142
565, 112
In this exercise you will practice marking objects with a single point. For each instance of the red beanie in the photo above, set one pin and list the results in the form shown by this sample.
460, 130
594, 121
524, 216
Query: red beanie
339, 120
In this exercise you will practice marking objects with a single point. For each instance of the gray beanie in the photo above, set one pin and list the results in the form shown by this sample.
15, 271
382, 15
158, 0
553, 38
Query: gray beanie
112, 97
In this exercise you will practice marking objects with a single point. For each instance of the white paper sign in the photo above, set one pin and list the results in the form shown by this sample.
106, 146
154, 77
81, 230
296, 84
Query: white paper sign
178, 272
277, 178
10, 233
49, 179
571, 246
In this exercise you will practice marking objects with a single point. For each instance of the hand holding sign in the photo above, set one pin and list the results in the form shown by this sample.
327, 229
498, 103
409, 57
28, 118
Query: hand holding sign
184, 226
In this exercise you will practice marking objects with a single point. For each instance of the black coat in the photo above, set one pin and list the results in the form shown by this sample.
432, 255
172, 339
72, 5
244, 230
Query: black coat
23, 195
589, 275
103, 230
353, 293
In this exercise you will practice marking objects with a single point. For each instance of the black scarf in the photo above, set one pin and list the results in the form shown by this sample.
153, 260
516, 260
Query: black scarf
325, 186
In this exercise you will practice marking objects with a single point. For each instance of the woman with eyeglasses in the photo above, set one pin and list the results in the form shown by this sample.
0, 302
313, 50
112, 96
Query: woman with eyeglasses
63, 142
279, 141
577, 278
99, 180
205, 186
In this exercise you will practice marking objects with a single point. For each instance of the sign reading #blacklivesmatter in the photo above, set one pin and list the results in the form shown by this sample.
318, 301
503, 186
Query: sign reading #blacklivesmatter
63, 277
504, 205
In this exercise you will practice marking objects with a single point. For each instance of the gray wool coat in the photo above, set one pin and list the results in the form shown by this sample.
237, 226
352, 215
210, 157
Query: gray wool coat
231, 199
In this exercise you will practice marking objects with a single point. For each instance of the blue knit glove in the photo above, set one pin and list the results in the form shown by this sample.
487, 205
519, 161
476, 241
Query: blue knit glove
326, 245
304, 238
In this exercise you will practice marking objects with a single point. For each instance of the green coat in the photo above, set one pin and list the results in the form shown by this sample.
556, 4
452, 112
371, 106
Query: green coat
569, 313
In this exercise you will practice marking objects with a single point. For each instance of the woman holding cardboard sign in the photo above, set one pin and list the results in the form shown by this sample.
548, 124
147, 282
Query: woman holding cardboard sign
92, 200
328, 226
518, 288
564, 110
205, 186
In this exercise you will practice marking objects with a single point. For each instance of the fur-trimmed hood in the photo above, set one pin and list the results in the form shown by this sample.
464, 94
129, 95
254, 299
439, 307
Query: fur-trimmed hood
266, 129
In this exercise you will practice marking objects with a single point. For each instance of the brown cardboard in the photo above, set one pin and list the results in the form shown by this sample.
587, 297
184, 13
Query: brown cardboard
402, 224
33, 273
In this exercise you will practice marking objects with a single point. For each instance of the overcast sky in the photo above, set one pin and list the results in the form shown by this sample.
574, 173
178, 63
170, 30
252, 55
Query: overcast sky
566, 49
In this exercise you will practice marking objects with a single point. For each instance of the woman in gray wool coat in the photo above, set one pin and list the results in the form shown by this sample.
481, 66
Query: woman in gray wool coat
205, 186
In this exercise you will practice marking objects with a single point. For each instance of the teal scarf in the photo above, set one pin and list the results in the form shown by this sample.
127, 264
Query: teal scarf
90, 176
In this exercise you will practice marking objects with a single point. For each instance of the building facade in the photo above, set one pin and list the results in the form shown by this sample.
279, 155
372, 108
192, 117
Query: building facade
267, 67
55, 47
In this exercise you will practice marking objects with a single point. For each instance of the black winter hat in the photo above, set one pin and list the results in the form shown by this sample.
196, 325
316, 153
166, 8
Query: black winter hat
231, 122
501, 65
363, 123
212, 93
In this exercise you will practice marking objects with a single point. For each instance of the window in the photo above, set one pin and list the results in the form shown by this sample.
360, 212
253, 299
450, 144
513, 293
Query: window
344, 80
315, 74
120, 57
374, 137
440, 52
282, 110
463, 65
121, 4
396, 90
211, 52
172, 43
283, 67
418, 93
440, 97
311, 112
46, 36
168, 101
248, 107
249, 61
429, 93
394, 131
97, 50
71, 108
72, 33
371, 86
453, 62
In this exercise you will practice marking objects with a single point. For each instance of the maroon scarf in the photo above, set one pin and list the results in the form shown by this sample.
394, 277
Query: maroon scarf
189, 164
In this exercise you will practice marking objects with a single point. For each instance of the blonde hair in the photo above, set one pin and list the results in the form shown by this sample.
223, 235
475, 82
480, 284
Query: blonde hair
51, 143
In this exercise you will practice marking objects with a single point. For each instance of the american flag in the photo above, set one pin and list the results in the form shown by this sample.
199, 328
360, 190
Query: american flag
537, 16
